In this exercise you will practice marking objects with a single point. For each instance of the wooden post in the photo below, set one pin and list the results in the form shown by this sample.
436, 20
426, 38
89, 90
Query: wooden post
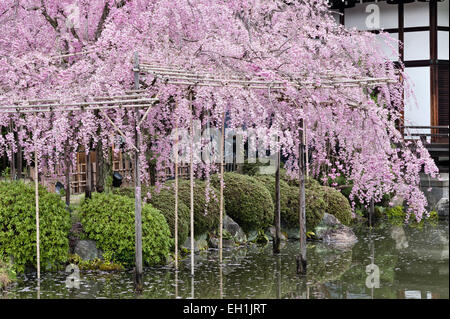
371, 212
137, 192
13, 157
301, 259
19, 160
36, 190
67, 173
191, 169
277, 239
176, 197
306, 150
222, 146
88, 189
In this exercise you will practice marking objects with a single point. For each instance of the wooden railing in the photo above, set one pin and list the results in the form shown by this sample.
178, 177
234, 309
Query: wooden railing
434, 134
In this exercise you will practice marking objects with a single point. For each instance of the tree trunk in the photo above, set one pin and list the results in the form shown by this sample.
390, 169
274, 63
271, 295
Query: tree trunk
67, 172
301, 259
88, 189
277, 239
19, 158
100, 187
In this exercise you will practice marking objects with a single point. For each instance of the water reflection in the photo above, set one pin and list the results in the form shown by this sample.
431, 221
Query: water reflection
412, 262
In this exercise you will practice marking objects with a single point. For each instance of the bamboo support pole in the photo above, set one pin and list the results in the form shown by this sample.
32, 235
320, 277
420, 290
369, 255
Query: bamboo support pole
36, 190
120, 132
20, 111
301, 259
191, 181
81, 104
137, 183
222, 146
176, 197
306, 149
277, 239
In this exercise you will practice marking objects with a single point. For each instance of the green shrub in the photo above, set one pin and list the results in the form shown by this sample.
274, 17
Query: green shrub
164, 201
206, 214
109, 220
247, 201
7, 274
127, 191
18, 226
289, 200
338, 205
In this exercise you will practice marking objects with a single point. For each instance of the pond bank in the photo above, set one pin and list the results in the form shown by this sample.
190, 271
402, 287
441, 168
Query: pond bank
412, 262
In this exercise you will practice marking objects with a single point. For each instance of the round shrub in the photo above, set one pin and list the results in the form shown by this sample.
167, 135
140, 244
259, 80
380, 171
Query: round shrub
18, 226
164, 201
109, 220
289, 200
247, 201
337, 204
206, 214
127, 191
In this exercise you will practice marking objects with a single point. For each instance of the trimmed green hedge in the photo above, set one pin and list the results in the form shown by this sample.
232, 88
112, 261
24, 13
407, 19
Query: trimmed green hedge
206, 215
247, 201
338, 205
315, 205
164, 201
109, 220
18, 226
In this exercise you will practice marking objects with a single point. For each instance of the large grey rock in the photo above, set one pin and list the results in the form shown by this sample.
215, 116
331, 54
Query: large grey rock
87, 250
187, 244
272, 233
442, 208
332, 232
398, 234
234, 230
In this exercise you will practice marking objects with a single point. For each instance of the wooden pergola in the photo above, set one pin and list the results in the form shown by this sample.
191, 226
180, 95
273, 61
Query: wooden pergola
131, 100
173, 75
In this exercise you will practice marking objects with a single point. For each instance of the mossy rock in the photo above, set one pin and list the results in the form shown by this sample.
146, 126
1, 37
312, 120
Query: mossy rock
247, 201
206, 214
18, 226
109, 220
289, 200
338, 205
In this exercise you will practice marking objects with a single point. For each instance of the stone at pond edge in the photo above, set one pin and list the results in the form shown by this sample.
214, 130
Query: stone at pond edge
87, 250
442, 208
187, 244
234, 229
272, 232
226, 243
334, 233
292, 233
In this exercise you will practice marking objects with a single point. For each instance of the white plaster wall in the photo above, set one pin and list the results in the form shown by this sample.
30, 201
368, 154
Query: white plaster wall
418, 114
392, 55
417, 45
443, 43
417, 14
356, 16
442, 18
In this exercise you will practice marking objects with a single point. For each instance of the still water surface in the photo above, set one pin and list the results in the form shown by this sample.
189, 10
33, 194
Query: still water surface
412, 263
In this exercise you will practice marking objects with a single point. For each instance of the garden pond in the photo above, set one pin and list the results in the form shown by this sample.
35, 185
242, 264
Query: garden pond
408, 262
